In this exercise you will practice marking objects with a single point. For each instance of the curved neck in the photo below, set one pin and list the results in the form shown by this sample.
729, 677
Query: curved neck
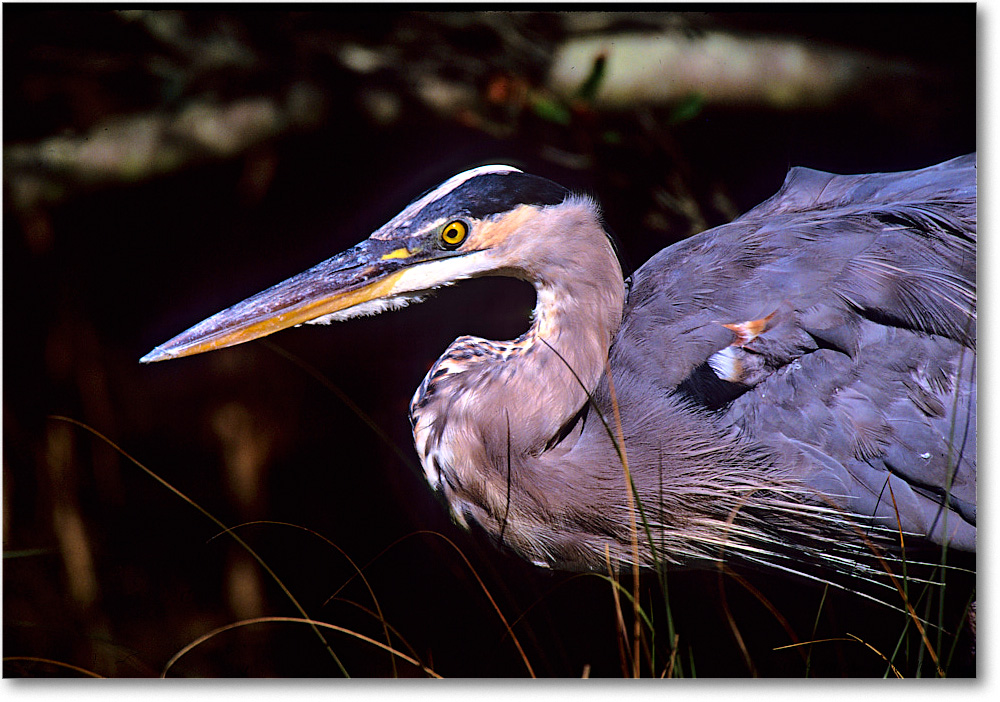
483, 400
566, 349
565, 253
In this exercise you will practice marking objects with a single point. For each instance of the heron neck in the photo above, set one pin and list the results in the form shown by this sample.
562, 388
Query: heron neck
567, 345
484, 401
561, 358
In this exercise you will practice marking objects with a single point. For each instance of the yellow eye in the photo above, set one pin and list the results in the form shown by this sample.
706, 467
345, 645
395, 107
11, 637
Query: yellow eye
454, 234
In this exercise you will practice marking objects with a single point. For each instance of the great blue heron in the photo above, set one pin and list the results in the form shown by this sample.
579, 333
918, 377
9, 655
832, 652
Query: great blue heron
778, 390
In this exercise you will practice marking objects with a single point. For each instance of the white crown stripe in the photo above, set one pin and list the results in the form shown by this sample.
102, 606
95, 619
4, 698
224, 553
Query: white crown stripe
455, 181
404, 217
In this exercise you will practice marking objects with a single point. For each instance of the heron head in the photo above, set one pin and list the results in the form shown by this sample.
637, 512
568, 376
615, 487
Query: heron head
476, 223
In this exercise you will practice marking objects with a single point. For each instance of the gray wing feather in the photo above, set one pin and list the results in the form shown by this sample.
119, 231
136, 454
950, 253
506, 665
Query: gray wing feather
864, 380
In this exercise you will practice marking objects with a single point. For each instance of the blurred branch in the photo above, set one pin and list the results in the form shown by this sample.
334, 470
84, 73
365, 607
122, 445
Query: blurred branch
132, 148
754, 71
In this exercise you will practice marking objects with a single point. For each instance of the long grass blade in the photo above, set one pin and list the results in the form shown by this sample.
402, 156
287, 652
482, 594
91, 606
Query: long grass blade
371, 592
49, 661
214, 519
291, 620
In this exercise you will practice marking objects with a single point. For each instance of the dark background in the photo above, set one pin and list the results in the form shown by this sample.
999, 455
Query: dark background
107, 570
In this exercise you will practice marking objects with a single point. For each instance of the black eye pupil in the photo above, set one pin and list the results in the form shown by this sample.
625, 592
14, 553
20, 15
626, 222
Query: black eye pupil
454, 233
